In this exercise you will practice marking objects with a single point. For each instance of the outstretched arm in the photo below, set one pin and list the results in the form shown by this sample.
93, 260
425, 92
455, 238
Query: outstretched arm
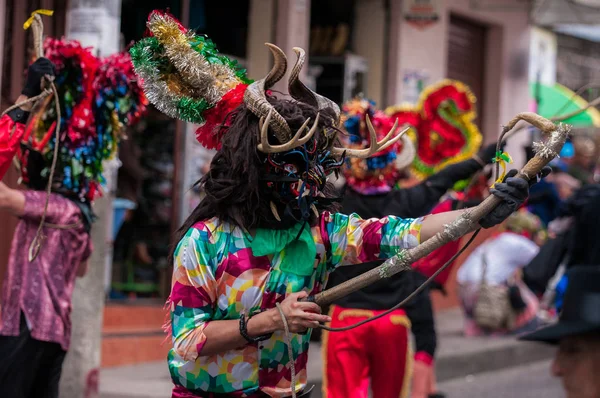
11, 200
419, 200
513, 192
354, 240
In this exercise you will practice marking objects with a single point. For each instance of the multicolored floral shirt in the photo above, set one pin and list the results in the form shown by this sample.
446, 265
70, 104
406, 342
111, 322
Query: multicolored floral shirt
216, 277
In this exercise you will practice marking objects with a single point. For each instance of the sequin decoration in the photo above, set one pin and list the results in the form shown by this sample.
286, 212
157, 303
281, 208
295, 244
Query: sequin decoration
443, 126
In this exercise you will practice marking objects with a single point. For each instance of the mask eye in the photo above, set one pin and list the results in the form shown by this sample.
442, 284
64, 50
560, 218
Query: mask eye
290, 168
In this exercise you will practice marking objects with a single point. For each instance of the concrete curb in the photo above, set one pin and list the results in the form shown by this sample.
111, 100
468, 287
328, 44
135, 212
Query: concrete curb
459, 356
495, 358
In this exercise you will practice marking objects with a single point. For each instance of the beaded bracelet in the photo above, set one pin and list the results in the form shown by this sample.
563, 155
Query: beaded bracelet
244, 331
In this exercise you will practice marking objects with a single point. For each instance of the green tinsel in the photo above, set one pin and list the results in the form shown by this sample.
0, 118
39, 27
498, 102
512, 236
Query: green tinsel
207, 48
151, 64
191, 109
148, 52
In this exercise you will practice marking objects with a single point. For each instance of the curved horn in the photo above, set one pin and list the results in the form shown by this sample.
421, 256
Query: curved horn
279, 66
256, 100
301, 93
406, 157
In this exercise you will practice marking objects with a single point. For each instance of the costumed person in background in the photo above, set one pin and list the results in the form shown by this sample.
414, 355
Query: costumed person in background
374, 354
267, 234
52, 244
35, 325
573, 241
547, 197
493, 296
577, 334
582, 165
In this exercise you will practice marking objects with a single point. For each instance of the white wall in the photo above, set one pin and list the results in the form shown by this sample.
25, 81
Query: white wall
506, 80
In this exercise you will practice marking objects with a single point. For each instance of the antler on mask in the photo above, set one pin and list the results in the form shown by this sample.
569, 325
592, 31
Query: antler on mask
375, 145
296, 141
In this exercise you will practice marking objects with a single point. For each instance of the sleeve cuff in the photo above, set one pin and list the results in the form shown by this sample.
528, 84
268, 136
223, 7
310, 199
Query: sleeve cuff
18, 115
424, 357
415, 232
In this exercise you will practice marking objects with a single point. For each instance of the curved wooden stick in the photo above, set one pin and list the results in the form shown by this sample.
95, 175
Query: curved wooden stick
467, 222
38, 36
37, 26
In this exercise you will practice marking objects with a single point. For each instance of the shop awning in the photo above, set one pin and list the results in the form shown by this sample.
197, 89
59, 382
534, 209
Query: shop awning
558, 100
551, 13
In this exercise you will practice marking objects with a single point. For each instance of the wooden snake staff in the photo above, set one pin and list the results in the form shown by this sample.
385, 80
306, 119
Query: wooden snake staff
466, 223
37, 26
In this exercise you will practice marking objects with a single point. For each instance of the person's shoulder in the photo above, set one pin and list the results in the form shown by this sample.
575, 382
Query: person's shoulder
39, 197
205, 229
338, 218
511, 238
62, 205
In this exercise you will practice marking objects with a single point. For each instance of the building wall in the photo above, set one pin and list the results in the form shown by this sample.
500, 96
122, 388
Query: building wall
505, 88
369, 38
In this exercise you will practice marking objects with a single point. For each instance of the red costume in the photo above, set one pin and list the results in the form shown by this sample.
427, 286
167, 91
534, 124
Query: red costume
11, 132
354, 357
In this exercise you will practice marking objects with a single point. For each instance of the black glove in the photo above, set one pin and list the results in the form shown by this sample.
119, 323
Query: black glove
36, 71
488, 153
513, 191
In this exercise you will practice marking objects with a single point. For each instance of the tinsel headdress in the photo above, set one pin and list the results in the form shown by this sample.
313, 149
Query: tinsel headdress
379, 173
186, 78
97, 99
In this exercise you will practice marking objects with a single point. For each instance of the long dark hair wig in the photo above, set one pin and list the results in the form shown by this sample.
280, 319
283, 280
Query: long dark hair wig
235, 188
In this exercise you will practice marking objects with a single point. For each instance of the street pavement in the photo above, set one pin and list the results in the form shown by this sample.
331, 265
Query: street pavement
466, 367
527, 381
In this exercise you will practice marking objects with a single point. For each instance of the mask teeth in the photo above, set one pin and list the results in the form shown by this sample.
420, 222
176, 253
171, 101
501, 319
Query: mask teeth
274, 211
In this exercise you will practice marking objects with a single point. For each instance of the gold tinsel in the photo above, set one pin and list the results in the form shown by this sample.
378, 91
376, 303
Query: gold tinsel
208, 81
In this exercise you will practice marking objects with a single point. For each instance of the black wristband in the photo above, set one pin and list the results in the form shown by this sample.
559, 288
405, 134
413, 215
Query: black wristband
18, 115
244, 331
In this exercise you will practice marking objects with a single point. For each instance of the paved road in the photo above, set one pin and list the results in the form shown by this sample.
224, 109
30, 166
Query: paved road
528, 381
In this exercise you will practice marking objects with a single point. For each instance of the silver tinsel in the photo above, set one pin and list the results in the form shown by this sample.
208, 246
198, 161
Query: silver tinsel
208, 81
157, 91
556, 140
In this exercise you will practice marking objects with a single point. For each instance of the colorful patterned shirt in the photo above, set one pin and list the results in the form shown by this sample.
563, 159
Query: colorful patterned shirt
216, 277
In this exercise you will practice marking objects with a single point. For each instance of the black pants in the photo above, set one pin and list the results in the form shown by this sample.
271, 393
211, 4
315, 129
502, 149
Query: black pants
29, 368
